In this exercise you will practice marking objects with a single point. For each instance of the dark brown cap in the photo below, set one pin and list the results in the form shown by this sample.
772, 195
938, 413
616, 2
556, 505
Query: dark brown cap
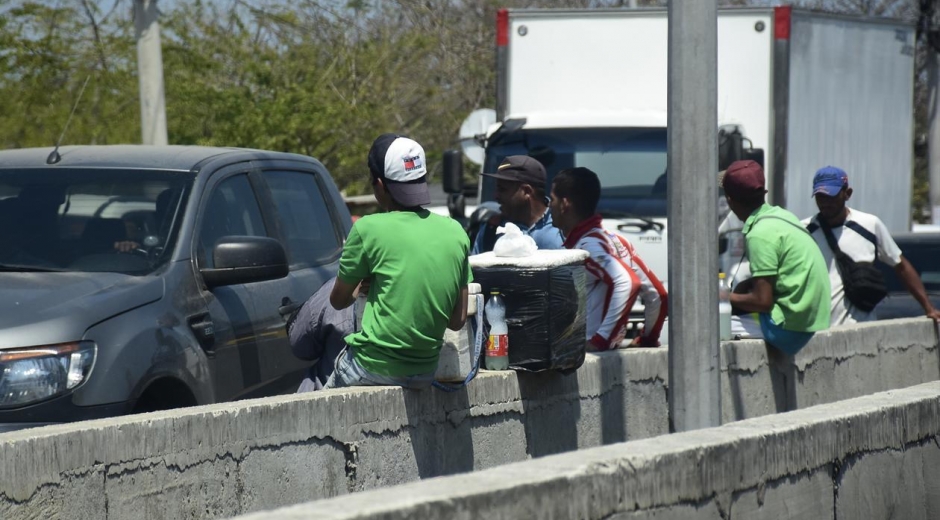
520, 168
742, 178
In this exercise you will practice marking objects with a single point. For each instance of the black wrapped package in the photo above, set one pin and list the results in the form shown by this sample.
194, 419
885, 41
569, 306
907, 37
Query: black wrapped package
545, 295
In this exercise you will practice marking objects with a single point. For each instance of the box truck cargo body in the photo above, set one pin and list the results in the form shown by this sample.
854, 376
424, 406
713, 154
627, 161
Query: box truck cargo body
589, 88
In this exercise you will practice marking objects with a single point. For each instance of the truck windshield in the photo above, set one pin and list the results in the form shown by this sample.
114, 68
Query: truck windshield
86, 219
631, 163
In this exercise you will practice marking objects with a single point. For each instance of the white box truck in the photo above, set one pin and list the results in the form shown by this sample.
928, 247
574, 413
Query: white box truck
804, 89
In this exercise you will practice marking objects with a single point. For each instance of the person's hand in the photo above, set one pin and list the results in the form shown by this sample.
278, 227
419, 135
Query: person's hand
126, 246
641, 342
934, 314
363, 289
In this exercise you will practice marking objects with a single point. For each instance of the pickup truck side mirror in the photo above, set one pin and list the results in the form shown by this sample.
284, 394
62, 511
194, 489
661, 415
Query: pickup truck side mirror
453, 171
756, 155
453, 184
243, 259
731, 148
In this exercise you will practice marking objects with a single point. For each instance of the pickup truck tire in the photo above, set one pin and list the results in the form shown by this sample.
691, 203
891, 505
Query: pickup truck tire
164, 394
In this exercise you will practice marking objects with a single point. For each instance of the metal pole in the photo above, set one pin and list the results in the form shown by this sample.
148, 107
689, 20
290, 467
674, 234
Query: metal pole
150, 72
631, 4
694, 375
933, 132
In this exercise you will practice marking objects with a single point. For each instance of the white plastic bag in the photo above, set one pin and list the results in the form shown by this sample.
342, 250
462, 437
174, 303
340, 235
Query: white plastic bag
513, 242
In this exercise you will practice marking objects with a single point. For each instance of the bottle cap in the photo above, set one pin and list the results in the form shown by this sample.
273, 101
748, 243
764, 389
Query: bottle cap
721, 276
494, 291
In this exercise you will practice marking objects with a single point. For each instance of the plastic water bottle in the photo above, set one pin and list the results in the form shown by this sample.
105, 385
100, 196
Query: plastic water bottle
497, 345
724, 308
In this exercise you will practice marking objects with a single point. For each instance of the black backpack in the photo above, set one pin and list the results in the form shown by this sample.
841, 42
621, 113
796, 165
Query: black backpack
863, 283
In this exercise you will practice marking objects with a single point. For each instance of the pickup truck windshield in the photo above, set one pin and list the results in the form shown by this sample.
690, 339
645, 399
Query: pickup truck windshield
86, 219
631, 163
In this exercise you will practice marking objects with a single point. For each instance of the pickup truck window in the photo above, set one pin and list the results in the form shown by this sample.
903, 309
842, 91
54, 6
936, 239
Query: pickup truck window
304, 217
922, 252
88, 219
630, 162
232, 210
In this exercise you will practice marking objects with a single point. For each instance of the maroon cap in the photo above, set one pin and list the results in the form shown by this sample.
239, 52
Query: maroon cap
743, 178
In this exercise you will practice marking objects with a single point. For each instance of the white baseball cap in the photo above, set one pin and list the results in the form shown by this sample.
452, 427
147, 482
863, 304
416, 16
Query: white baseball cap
400, 163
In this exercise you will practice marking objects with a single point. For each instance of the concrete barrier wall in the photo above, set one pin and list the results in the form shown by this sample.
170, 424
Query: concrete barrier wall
837, 364
228, 459
872, 457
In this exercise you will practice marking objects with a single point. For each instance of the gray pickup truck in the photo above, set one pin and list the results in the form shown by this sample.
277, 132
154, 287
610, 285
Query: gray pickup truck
137, 278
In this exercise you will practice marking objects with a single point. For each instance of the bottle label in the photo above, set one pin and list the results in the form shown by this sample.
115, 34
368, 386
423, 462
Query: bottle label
497, 345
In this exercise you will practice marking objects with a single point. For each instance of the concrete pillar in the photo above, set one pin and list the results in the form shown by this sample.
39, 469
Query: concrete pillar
150, 72
933, 132
694, 373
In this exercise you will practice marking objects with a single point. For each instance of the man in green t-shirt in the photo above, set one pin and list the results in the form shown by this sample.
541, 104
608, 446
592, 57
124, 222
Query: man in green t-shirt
789, 288
414, 266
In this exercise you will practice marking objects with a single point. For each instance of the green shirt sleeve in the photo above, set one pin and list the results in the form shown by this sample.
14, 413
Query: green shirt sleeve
354, 265
762, 254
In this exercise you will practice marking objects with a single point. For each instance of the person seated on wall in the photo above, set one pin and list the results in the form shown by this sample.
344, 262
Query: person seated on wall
616, 275
415, 265
786, 300
520, 193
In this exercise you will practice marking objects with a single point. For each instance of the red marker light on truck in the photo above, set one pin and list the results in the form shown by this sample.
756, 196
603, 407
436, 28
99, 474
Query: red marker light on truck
782, 15
502, 27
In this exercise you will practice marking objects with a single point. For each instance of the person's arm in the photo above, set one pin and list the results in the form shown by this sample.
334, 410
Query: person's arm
345, 293
126, 246
621, 286
757, 296
911, 281
458, 317
354, 269
653, 295
889, 253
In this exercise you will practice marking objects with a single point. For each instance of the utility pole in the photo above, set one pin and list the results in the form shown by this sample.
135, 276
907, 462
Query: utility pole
933, 130
931, 37
150, 72
694, 372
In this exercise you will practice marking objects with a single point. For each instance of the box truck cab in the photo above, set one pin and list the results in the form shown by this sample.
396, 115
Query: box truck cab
589, 88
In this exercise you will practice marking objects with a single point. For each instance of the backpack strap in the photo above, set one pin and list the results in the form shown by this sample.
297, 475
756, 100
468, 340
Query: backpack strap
830, 238
833, 245
797, 226
856, 227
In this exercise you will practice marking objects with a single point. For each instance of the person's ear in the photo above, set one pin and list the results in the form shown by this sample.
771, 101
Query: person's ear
527, 189
378, 189
848, 193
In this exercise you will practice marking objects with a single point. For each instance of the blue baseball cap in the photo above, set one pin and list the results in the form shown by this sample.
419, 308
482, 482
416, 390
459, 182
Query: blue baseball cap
830, 180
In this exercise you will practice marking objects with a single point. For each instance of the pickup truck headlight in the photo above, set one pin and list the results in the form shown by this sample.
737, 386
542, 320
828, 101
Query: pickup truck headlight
32, 374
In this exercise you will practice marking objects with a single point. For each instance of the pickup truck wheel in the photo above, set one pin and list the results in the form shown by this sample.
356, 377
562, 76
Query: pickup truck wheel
164, 394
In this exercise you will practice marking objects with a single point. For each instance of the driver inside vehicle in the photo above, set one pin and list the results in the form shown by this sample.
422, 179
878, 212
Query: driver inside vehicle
137, 229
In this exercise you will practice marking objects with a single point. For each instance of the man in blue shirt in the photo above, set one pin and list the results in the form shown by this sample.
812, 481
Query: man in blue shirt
520, 192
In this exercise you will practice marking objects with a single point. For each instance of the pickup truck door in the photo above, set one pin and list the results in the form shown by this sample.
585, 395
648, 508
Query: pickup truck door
229, 206
304, 220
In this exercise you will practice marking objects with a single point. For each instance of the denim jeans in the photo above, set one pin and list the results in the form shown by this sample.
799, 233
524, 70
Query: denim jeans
761, 325
350, 373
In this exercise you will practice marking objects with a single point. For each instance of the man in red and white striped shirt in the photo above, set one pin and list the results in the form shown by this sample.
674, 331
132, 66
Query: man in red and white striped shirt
616, 276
